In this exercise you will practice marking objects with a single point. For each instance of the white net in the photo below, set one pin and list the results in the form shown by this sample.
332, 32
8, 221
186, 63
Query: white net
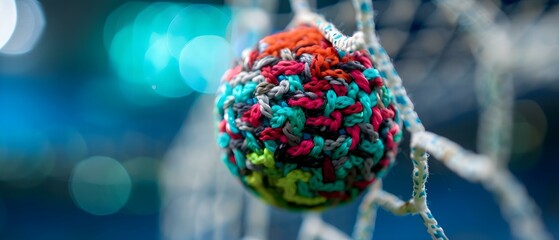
449, 54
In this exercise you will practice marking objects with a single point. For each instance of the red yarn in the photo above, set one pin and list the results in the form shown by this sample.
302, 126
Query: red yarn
303, 148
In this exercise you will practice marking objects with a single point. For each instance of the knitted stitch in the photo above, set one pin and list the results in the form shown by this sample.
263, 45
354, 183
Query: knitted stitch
304, 125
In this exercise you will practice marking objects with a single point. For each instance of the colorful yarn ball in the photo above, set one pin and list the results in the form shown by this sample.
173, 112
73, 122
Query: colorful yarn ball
304, 125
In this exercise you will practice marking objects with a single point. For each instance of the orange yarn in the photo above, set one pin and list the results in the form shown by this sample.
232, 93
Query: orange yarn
311, 41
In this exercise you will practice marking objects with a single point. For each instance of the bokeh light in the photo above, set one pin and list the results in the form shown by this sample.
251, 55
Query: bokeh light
127, 61
120, 18
204, 60
146, 44
8, 20
123, 58
160, 70
100, 185
29, 28
196, 20
159, 66
135, 36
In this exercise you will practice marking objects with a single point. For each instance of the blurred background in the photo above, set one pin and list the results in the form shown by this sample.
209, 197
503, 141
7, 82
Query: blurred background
106, 125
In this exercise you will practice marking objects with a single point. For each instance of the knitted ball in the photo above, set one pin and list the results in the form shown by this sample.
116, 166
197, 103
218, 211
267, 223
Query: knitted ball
304, 125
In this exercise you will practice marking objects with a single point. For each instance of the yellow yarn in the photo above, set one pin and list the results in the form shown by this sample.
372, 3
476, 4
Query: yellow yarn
289, 185
266, 158
255, 180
